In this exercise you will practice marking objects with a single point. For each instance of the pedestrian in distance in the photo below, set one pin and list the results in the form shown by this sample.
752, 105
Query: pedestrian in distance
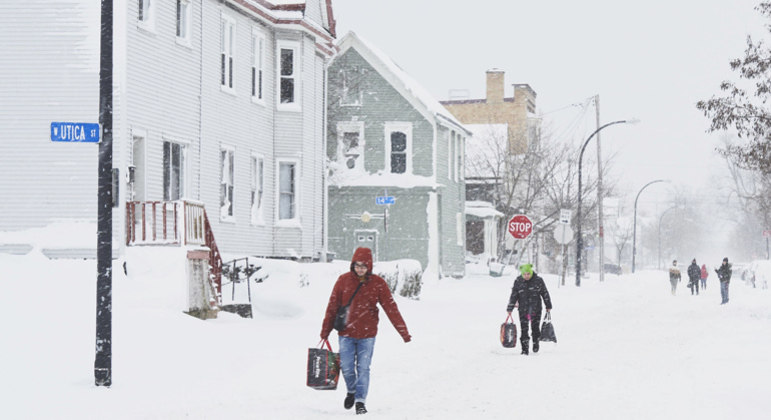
704, 275
694, 273
357, 339
724, 275
526, 295
674, 276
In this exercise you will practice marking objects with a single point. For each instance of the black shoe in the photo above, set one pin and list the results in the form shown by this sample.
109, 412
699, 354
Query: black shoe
348, 403
536, 347
525, 345
360, 409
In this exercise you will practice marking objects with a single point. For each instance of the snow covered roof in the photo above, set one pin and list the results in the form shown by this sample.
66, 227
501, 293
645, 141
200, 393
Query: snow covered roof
292, 13
400, 80
482, 209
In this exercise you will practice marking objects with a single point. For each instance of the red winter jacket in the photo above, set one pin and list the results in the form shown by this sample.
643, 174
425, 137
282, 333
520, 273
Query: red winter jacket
363, 313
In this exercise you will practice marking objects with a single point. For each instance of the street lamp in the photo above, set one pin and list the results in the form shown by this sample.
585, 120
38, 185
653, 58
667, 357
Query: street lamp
579, 239
634, 229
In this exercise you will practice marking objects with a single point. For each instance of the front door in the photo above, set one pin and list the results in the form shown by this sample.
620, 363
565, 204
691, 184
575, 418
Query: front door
367, 239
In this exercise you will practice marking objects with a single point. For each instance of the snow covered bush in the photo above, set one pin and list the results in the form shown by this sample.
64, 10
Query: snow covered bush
404, 277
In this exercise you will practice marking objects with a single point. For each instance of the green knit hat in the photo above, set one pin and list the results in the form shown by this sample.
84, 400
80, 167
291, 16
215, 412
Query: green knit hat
526, 268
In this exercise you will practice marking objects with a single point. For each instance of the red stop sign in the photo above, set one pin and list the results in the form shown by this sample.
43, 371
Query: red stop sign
520, 226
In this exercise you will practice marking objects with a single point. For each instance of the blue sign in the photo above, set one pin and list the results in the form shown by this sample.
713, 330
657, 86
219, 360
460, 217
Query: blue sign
385, 199
75, 132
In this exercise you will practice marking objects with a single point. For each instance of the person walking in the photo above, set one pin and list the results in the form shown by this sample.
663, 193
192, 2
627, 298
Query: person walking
694, 272
704, 275
724, 275
357, 339
526, 294
674, 276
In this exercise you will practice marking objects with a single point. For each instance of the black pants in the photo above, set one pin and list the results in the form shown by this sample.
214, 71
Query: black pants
526, 320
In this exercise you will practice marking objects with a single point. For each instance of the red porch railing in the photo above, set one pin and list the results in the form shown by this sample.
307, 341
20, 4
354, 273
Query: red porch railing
158, 223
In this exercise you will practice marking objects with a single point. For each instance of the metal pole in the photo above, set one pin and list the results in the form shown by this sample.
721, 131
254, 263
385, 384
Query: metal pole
579, 240
601, 227
634, 229
103, 359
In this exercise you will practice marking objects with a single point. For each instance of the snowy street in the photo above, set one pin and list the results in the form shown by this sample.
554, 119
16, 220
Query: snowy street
626, 349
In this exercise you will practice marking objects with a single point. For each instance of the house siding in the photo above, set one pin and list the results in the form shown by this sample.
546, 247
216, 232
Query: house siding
51, 73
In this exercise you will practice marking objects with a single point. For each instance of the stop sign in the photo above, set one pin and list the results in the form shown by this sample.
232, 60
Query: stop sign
520, 226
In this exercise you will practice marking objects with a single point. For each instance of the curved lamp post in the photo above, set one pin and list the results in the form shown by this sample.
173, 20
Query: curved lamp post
634, 229
579, 239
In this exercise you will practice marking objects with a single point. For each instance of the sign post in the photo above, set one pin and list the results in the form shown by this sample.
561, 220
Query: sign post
767, 234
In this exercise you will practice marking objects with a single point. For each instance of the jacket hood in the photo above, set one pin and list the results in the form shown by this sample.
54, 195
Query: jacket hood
363, 254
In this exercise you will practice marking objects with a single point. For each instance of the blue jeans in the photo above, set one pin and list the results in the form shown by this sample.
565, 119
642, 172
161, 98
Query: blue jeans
724, 291
355, 358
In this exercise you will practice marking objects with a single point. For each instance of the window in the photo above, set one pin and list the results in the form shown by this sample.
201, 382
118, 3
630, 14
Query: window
146, 14
183, 21
227, 157
258, 188
351, 144
287, 178
351, 87
288, 80
398, 147
173, 171
227, 48
258, 64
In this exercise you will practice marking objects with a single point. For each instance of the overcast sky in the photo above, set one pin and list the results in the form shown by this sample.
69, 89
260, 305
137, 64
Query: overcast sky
648, 60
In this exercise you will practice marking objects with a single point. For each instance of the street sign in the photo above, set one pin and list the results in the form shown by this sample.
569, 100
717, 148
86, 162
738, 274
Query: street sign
384, 199
520, 226
563, 234
75, 132
565, 216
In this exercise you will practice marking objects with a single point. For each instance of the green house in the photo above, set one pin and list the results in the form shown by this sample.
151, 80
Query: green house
396, 164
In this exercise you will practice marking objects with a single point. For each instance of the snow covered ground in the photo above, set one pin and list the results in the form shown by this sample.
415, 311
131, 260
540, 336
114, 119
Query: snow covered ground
627, 349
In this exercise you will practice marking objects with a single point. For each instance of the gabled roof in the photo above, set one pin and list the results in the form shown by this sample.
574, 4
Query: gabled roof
288, 13
408, 87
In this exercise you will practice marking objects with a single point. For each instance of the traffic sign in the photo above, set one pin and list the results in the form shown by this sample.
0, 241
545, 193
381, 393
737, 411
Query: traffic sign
563, 234
520, 226
75, 132
565, 216
384, 199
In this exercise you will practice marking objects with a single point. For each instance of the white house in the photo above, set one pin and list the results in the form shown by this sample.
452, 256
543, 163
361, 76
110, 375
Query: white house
217, 104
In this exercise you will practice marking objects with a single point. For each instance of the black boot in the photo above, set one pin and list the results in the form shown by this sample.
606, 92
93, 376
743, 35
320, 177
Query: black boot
535, 346
348, 403
525, 345
360, 409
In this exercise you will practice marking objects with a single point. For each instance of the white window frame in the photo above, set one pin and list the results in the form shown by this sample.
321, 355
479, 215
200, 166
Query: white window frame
450, 153
257, 177
295, 105
228, 180
295, 219
228, 50
350, 127
345, 94
146, 14
257, 76
406, 128
184, 15
183, 182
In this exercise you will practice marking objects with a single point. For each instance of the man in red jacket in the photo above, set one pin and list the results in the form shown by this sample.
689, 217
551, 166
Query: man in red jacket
357, 339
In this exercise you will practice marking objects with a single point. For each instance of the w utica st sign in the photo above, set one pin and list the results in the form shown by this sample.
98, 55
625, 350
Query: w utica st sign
520, 226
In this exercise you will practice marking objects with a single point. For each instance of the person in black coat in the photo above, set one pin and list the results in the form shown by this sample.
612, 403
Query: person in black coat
526, 294
724, 275
694, 273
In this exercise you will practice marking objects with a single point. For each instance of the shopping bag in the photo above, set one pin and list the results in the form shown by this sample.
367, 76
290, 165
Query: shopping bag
323, 367
547, 329
509, 332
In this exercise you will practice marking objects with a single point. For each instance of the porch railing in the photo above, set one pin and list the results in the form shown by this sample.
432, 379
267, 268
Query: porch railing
178, 222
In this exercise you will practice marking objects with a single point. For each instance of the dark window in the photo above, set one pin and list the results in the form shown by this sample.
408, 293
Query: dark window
398, 152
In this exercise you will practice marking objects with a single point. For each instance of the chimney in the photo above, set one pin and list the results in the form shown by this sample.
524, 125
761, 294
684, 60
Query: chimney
525, 95
494, 86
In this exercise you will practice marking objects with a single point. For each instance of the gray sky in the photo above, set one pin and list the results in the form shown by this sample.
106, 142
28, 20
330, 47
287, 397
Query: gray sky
648, 60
